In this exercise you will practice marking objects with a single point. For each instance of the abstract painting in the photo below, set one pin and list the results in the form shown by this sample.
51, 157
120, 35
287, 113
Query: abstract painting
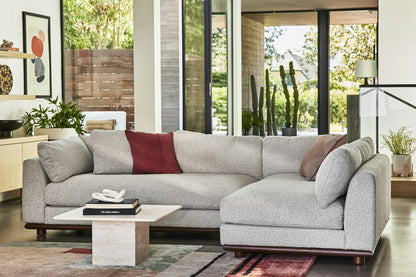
36, 40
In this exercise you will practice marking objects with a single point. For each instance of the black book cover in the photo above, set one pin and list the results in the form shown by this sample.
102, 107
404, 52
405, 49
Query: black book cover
131, 211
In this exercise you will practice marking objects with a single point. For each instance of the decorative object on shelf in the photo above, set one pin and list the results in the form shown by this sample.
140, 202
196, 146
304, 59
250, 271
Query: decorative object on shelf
6, 43
8, 46
58, 120
8, 126
6, 79
36, 40
402, 145
366, 69
290, 129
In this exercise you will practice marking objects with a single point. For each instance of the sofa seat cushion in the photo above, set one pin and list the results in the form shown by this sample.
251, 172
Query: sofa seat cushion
281, 200
191, 190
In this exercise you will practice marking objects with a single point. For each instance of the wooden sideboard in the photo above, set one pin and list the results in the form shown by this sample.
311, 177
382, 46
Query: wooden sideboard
403, 186
13, 151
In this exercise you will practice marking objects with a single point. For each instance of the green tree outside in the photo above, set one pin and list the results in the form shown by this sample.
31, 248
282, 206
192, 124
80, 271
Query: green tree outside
98, 24
348, 44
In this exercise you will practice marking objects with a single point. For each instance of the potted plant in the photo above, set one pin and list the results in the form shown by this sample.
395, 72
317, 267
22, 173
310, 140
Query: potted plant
290, 128
402, 145
57, 120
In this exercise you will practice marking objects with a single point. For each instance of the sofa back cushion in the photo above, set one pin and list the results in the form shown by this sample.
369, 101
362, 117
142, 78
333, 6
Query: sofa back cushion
111, 152
62, 159
285, 154
338, 168
201, 153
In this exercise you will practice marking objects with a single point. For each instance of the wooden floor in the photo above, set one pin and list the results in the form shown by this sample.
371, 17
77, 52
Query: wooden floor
395, 254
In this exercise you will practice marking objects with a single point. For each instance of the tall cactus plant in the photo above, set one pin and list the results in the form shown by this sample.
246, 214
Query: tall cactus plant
287, 96
254, 104
268, 105
273, 110
295, 96
261, 116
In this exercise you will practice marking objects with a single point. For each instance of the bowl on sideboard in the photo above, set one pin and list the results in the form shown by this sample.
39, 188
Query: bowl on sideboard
8, 126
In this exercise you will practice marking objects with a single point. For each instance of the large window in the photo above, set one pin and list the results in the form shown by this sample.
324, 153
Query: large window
353, 37
206, 76
292, 37
287, 38
98, 53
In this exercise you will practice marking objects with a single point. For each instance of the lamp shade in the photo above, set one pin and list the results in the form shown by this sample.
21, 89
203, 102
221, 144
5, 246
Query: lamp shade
366, 69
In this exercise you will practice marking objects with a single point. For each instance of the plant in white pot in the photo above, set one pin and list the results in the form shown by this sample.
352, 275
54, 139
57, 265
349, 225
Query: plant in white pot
58, 120
402, 145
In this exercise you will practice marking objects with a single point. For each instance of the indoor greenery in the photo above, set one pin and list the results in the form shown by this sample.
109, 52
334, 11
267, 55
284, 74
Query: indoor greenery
400, 142
56, 114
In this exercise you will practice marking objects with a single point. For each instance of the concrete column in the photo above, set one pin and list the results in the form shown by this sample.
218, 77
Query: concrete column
147, 80
237, 78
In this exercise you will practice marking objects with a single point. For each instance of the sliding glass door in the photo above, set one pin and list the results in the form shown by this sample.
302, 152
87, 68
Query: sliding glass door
206, 82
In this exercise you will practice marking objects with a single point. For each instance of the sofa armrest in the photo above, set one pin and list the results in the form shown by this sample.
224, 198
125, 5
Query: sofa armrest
368, 204
33, 192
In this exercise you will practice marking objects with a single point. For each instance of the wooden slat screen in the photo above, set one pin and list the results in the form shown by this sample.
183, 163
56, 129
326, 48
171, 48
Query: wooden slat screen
101, 80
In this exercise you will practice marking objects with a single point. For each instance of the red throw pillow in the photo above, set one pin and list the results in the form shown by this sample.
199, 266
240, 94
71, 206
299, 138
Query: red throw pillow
318, 152
152, 153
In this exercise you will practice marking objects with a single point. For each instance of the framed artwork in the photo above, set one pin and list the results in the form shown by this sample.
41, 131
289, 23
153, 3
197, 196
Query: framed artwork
37, 41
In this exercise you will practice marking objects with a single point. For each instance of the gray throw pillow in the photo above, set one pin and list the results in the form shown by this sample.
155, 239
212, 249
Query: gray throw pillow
62, 159
111, 152
337, 169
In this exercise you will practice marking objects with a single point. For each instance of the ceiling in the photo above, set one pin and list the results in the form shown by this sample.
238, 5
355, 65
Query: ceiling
288, 12
292, 5
310, 18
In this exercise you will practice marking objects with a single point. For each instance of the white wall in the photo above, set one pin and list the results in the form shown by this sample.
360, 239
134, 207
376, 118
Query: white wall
397, 41
11, 29
397, 60
11, 22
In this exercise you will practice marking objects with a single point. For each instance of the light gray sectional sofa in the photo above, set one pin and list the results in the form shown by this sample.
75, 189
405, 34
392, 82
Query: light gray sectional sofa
248, 187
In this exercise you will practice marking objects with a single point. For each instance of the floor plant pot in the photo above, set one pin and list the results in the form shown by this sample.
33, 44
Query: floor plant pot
401, 165
289, 132
56, 133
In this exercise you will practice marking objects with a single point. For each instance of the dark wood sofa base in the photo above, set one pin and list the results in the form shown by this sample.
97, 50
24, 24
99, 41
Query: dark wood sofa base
41, 229
239, 250
358, 257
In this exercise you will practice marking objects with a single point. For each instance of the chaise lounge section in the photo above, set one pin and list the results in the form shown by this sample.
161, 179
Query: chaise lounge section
281, 213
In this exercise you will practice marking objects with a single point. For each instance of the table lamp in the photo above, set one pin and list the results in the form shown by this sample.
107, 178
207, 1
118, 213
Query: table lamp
366, 69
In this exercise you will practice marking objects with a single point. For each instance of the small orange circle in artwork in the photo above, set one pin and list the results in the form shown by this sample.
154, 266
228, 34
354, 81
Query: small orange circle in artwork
41, 35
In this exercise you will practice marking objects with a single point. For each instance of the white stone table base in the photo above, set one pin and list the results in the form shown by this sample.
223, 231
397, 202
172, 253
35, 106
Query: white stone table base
121, 239
119, 243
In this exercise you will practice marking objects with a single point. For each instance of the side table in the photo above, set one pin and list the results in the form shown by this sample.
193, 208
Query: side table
121, 239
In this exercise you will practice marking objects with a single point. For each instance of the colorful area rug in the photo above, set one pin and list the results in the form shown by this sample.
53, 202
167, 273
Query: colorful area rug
273, 265
74, 259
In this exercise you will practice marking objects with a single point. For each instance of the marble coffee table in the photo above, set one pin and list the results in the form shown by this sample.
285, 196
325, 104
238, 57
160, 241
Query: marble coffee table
121, 239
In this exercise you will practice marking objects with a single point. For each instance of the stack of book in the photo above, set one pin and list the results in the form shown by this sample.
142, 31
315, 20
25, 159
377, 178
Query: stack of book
15, 49
98, 207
